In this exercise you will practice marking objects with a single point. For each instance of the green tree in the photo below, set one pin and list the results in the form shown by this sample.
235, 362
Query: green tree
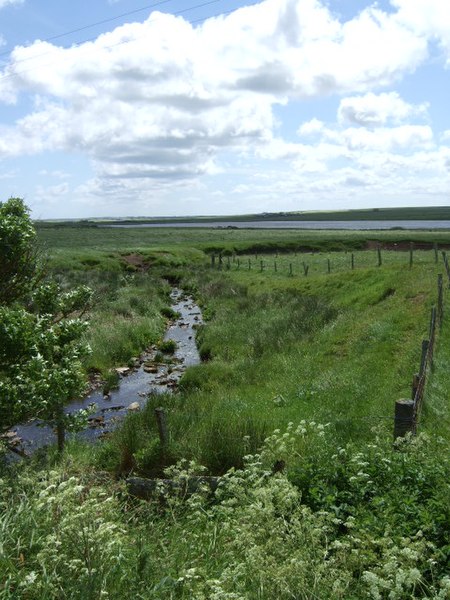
41, 330
20, 268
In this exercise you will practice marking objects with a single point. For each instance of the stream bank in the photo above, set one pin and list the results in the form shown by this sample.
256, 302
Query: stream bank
151, 373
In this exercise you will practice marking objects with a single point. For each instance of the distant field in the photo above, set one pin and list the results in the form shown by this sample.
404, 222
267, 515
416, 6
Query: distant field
86, 241
370, 214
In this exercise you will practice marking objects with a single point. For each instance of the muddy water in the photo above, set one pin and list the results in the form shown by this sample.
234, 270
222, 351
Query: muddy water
135, 384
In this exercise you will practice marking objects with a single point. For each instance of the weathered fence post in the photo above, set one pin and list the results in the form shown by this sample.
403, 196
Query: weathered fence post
213, 261
249, 264
379, 256
262, 266
329, 265
305, 269
220, 260
404, 418
228, 263
423, 358
238, 263
275, 265
161, 421
290, 268
415, 385
353, 261
411, 250
435, 247
440, 304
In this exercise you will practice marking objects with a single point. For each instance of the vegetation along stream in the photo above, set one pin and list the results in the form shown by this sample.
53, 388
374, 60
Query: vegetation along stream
155, 371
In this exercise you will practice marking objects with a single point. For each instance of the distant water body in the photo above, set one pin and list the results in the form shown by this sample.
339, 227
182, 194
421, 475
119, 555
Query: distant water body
300, 224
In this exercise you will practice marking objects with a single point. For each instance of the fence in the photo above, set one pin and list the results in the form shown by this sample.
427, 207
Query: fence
318, 263
407, 412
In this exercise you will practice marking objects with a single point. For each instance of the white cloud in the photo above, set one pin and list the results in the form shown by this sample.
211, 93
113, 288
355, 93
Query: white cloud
155, 104
312, 127
386, 139
427, 18
4, 3
378, 109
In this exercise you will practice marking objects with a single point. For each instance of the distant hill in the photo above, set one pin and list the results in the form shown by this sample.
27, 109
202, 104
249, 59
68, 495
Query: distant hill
431, 213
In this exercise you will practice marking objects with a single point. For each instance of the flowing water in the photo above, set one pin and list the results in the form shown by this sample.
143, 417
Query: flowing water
135, 384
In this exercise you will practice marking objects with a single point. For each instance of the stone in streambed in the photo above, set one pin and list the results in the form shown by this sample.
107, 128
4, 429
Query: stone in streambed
133, 406
122, 371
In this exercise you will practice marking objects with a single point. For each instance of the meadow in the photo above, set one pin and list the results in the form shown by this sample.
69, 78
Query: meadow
307, 343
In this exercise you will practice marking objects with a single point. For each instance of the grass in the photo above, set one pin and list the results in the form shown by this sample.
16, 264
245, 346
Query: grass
285, 339
320, 359
338, 348
186, 246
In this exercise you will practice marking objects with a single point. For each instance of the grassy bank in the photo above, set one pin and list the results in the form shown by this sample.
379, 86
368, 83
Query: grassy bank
335, 347
292, 404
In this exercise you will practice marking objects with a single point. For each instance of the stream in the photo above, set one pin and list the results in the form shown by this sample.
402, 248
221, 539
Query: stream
135, 383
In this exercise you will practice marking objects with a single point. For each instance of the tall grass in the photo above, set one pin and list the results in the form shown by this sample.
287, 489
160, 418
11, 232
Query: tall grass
339, 348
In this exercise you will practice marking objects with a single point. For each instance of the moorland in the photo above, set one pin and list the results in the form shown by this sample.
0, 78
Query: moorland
309, 339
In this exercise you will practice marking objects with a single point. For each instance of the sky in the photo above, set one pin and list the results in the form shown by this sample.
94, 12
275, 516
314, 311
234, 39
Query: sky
189, 107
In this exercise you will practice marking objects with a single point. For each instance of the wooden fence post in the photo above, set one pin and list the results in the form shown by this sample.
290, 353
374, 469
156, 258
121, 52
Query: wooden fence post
415, 385
379, 256
353, 261
220, 261
275, 265
290, 268
238, 263
249, 264
262, 266
411, 249
329, 265
305, 269
440, 304
228, 263
161, 421
213, 261
404, 418
435, 247
423, 358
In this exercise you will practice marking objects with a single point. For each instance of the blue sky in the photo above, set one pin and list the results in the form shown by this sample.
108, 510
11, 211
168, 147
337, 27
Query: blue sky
121, 107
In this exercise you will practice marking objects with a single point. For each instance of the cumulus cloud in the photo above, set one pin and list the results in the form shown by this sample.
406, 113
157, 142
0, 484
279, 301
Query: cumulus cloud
156, 103
426, 18
378, 109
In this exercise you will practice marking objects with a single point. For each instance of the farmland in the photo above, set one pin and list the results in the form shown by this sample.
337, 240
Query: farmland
309, 339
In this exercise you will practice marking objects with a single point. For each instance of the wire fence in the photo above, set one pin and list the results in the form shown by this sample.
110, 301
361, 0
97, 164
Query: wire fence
407, 410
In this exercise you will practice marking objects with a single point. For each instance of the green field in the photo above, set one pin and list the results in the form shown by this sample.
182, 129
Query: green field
308, 342
369, 214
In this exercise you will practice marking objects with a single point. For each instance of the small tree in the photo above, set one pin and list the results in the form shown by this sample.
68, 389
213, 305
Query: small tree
41, 330
20, 269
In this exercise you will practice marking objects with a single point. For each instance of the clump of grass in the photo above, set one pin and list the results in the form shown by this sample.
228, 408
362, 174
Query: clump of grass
167, 346
169, 313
